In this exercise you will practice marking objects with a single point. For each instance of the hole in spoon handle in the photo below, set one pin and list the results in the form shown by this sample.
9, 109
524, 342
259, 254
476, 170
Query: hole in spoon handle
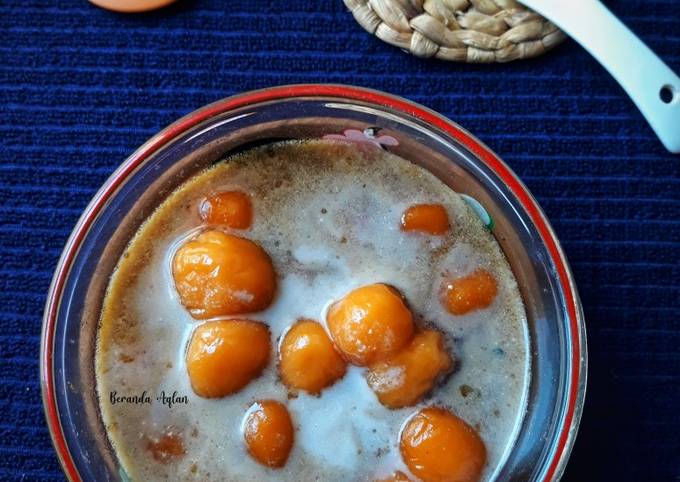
668, 93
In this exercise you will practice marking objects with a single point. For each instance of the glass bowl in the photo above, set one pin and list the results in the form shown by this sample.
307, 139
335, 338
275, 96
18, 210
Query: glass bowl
557, 330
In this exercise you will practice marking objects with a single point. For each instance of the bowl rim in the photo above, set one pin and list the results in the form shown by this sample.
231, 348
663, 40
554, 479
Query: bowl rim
578, 355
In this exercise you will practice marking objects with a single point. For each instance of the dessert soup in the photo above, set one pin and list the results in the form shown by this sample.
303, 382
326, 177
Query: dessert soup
312, 310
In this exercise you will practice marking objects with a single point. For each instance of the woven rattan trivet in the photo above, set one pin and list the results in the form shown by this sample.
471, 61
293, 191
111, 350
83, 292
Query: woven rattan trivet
459, 30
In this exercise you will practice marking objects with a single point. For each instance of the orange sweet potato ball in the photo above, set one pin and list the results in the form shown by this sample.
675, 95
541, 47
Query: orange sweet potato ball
437, 446
230, 208
268, 433
472, 292
370, 324
398, 476
220, 274
403, 379
426, 218
309, 361
166, 447
224, 356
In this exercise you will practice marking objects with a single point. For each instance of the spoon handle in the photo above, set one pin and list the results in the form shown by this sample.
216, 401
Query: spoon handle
650, 83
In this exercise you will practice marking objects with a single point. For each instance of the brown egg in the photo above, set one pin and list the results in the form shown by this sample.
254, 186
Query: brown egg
131, 6
404, 378
268, 433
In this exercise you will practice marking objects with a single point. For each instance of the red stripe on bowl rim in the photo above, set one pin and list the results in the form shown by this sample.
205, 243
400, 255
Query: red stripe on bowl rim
310, 91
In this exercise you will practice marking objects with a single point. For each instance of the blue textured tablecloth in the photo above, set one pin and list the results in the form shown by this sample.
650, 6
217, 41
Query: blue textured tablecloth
81, 88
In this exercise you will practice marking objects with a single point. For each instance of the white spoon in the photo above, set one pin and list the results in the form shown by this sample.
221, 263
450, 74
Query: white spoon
652, 85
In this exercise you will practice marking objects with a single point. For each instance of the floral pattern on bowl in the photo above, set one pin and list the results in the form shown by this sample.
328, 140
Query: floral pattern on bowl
369, 135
